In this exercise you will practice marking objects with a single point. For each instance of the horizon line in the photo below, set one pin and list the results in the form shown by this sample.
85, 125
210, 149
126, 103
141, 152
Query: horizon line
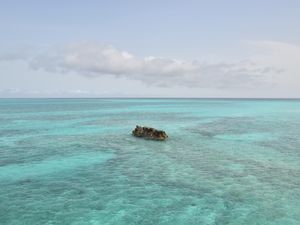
212, 98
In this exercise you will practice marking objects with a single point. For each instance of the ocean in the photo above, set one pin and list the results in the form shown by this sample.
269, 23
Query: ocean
75, 162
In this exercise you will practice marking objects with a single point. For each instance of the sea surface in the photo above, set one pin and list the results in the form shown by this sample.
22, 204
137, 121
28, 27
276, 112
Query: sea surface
75, 162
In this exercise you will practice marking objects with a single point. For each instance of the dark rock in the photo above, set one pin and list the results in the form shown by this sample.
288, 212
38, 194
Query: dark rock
149, 133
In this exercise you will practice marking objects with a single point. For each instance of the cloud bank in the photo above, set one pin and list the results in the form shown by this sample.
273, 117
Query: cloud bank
93, 60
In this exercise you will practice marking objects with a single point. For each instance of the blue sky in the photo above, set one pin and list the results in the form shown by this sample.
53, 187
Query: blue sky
150, 48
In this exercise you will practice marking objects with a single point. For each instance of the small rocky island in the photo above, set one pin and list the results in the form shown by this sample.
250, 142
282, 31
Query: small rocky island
149, 133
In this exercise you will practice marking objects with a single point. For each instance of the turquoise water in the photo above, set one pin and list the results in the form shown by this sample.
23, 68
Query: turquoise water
74, 161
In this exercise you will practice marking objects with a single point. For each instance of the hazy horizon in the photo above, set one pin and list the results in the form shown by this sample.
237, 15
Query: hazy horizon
204, 98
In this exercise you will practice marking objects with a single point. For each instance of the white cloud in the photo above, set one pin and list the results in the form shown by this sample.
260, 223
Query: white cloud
270, 67
89, 59
280, 55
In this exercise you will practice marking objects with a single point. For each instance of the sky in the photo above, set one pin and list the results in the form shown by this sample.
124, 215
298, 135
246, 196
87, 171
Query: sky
157, 48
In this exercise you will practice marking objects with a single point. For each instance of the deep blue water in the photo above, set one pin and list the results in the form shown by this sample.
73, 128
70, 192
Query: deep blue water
74, 161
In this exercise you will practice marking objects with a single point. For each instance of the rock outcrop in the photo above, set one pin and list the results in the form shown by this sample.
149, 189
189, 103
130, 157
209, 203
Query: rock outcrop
149, 133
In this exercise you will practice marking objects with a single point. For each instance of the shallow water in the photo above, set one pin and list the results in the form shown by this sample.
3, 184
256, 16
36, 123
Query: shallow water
73, 161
